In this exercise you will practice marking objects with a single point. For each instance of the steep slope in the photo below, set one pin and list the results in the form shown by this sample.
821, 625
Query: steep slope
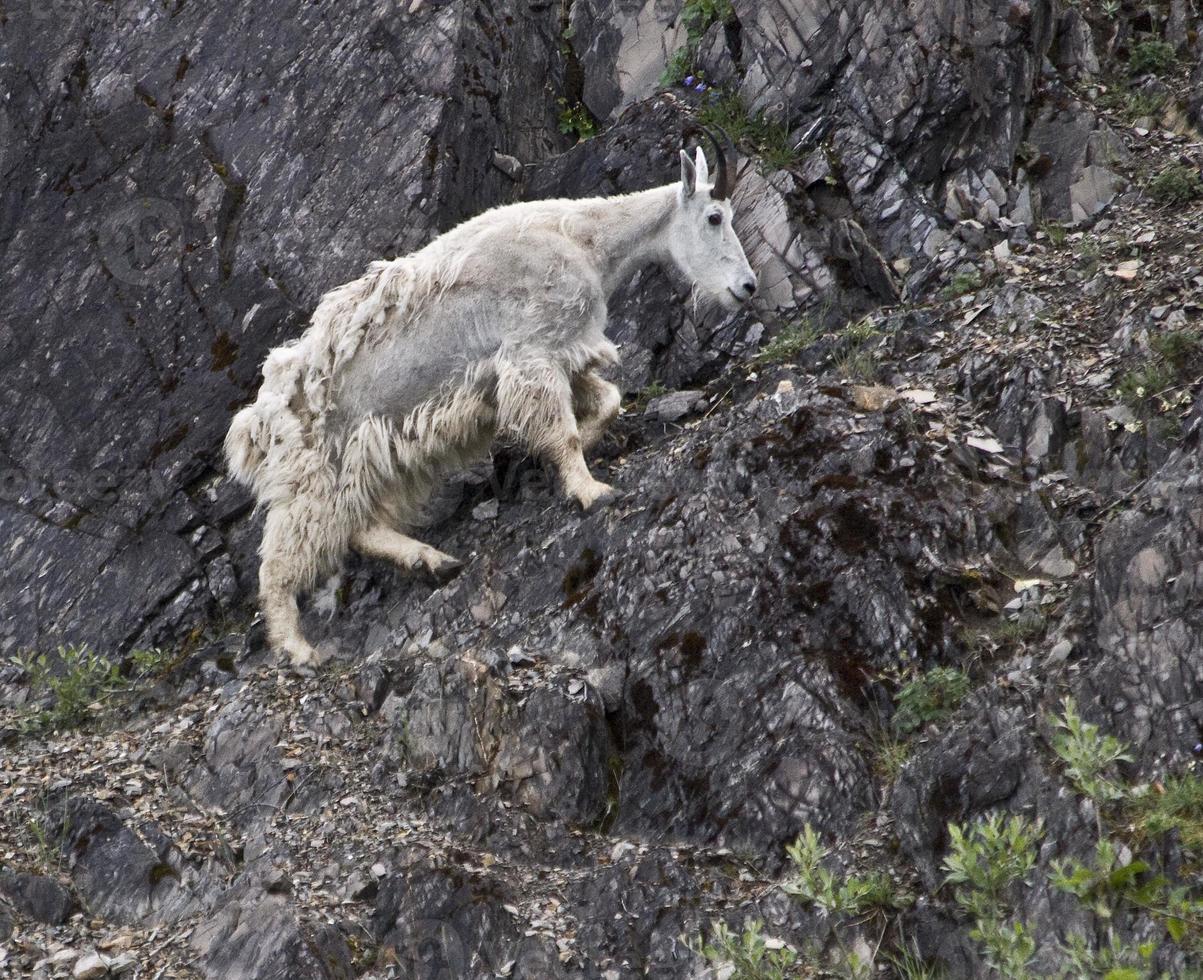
869, 538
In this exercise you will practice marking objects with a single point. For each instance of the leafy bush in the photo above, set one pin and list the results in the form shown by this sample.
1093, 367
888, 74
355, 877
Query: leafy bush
1178, 348
986, 859
1145, 383
768, 139
1175, 806
1176, 184
848, 896
752, 956
788, 344
965, 281
1151, 58
576, 120
930, 697
697, 16
1088, 754
679, 66
652, 390
76, 678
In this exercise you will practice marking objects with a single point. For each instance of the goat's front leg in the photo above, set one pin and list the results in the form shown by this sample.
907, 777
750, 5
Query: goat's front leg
596, 403
380, 541
534, 406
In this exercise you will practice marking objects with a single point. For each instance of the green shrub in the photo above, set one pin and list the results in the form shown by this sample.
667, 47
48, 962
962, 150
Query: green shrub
1138, 105
1175, 806
851, 895
576, 120
748, 952
1176, 184
965, 281
697, 16
76, 679
1178, 348
862, 331
909, 965
653, 389
929, 697
767, 138
1143, 384
1088, 754
1151, 58
985, 860
678, 67
788, 344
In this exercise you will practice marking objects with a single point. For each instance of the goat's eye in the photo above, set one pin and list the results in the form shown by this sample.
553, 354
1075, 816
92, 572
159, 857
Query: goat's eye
715, 219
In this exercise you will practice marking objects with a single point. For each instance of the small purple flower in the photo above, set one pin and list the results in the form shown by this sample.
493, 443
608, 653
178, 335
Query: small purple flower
689, 81
1198, 747
700, 87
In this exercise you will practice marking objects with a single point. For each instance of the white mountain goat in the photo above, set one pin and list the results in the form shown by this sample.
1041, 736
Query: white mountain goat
496, 328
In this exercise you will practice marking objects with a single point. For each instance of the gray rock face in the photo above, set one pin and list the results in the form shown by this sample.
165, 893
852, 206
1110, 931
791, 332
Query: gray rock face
595, 744
256, 937
43, 899
122, 875
1147, 679
1080, 153
788, 558
623, 46
915, 95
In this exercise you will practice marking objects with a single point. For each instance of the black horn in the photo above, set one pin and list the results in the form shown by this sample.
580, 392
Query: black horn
724, 183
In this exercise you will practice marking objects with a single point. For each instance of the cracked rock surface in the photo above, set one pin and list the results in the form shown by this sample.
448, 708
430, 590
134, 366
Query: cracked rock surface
959, 431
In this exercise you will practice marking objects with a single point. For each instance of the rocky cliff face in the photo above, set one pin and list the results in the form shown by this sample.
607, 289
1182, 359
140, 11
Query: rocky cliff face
945, 475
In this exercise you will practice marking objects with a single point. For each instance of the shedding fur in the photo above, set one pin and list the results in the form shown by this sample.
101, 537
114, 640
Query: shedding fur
496, 328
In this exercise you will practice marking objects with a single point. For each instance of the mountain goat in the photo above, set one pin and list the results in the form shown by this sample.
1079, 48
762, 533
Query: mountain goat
494, 328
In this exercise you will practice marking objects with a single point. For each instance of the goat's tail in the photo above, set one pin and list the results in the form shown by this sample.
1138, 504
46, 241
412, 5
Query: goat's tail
266, 448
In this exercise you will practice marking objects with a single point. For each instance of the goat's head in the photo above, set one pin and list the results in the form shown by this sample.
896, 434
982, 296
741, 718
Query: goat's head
702, 241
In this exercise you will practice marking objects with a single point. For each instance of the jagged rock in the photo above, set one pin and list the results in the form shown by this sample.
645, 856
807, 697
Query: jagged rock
965, 773
675, 405
241, 767
1073, 51
813, 532
623, 47
1144, 677
90, 966
1078, 151
256, 937
116, 872
890, 76
549, 750
40, 898
591, 748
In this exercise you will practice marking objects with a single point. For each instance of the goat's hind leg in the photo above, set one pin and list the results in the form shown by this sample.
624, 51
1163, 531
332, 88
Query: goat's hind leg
290, 565
380, 541
596, 403
534, 405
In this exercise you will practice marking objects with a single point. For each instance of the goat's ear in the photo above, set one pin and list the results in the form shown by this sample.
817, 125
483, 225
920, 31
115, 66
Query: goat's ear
701, 166
689, 176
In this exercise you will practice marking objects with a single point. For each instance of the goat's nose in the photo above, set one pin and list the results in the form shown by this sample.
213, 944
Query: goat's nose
750, 287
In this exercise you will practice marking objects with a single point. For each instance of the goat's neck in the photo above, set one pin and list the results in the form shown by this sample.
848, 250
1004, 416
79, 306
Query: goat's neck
629, 232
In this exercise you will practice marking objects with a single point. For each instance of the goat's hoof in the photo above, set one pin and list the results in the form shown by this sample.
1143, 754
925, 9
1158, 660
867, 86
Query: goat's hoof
303, 659
597, 495
443, 567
